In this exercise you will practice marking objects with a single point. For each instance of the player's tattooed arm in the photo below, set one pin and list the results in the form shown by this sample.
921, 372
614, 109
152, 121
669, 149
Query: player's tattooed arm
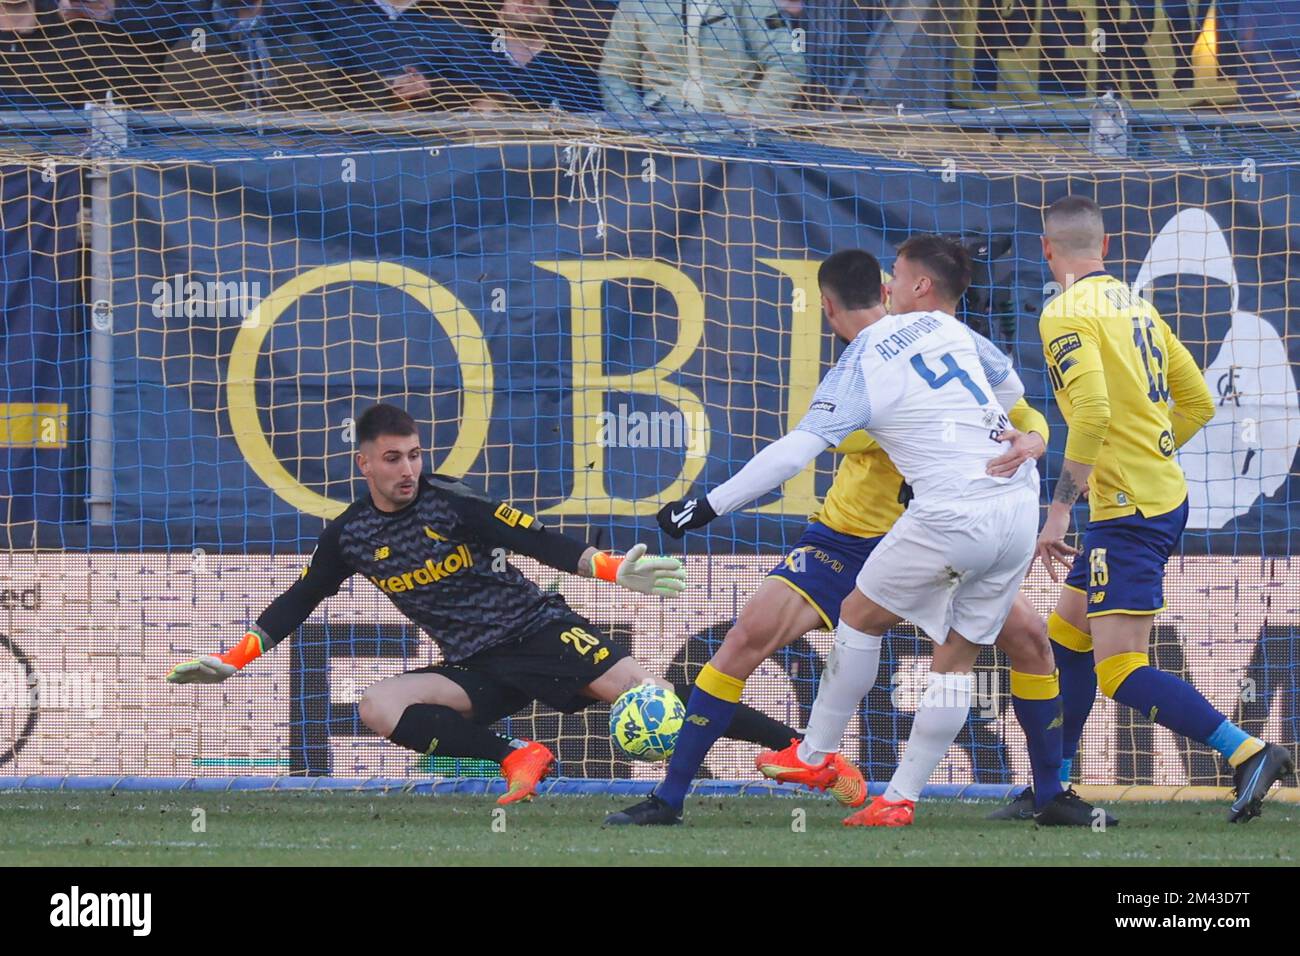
1067, 490
1051, 548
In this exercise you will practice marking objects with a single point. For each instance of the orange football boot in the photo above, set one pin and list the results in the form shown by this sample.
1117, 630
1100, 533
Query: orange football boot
834, 773
523, 769
849, 788
881, 813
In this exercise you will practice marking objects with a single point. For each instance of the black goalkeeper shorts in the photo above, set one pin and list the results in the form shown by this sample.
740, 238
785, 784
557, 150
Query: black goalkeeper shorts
552, 664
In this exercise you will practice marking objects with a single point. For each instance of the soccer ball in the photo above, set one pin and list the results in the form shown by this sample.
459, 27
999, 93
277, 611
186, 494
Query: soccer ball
645, 721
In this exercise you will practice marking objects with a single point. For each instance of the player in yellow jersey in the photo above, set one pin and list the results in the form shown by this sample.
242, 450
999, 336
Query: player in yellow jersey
1115, 367
805, 591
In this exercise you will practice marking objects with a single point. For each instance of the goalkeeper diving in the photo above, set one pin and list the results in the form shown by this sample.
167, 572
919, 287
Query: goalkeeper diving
437, 549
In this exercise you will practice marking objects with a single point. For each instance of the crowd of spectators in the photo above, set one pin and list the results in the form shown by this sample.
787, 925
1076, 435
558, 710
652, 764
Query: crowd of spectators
67, 52
667, 56
395, 54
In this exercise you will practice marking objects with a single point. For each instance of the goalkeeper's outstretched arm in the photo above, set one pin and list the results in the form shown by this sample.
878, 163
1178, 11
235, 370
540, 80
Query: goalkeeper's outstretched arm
324, 574
501, 525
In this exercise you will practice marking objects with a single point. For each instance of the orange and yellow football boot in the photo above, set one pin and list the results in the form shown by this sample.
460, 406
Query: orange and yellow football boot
849, 788
882, 813
523, 769
834, 773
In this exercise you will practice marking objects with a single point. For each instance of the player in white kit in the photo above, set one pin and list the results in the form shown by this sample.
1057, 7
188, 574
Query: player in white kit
934, 395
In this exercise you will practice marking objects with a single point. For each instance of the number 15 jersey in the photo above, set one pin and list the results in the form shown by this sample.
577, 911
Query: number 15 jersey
934, 394
1114, 366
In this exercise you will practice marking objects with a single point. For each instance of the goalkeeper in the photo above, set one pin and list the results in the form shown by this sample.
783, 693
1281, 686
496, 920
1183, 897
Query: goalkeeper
438, 551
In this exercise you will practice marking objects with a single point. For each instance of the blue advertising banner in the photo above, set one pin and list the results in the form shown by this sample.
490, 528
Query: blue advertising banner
42, 349
589, 332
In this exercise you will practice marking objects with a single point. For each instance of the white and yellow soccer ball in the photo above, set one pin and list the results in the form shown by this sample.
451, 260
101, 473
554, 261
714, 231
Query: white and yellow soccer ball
645, 721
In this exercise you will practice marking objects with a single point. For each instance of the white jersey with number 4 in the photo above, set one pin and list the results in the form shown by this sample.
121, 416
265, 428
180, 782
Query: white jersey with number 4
934, 394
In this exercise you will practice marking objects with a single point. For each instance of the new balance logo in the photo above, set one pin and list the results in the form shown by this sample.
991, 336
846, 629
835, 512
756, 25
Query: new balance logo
698, 720
382, 552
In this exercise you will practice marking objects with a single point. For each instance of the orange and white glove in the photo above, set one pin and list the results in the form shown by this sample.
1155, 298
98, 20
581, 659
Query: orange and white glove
216, 668
655, 575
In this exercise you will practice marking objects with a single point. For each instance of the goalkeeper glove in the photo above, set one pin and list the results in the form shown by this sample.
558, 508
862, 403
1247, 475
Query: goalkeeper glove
214, 669
658, 575
688, 513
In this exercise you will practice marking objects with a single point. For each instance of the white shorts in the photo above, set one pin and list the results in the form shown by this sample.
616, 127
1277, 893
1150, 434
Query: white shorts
955, 565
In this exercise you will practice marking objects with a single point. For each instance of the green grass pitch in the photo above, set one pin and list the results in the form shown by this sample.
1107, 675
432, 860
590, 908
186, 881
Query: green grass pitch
98, 828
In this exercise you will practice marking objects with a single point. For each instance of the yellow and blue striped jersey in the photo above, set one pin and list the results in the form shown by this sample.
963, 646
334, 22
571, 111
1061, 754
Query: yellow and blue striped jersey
1114, 365
865, 497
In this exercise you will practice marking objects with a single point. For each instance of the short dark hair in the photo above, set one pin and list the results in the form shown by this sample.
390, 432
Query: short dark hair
945, 260
853, 276
1075, 225
1071, 205
384, 420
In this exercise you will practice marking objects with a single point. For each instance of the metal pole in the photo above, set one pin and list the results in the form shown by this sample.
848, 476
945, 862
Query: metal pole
1072, 115
108, 136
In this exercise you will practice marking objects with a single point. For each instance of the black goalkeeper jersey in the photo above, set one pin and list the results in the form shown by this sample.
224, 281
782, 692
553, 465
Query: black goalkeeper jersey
441, 560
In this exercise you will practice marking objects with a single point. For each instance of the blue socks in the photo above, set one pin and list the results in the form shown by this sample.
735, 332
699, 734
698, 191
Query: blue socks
1078, 685
708, 714
1172, 702
1036, 699
1130, 679
1234, 743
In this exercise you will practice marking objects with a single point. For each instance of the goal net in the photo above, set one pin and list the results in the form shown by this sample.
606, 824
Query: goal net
578, 241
